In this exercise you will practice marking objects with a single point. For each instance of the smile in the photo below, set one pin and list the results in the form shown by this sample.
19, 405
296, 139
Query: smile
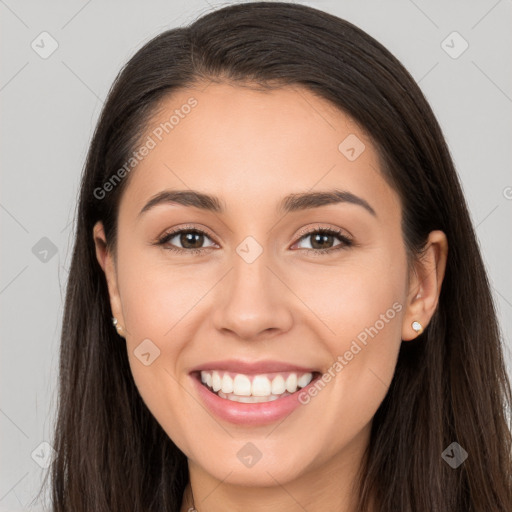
252, 393
239, 387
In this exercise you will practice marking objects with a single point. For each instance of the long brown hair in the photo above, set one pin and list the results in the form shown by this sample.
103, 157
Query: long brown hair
450, 384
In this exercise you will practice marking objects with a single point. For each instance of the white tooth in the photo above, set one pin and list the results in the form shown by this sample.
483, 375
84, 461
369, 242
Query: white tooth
278, 385
304, 380
242, 385
261, 386
227, 384
216, 381
249, 399
203, 377
209, 379
253, 399
291, 383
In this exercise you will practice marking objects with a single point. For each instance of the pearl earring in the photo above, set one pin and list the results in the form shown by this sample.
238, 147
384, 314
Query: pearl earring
417, 327
118, 327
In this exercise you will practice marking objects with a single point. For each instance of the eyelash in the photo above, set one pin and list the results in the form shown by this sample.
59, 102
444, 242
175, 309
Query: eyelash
346, 242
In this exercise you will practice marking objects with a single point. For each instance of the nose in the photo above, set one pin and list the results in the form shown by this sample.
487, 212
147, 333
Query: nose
253, 301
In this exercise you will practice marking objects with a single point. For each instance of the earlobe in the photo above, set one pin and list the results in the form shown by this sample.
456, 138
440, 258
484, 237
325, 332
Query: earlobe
425, 286
105, 260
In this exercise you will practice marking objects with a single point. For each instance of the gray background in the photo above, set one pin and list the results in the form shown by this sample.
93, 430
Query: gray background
49, 109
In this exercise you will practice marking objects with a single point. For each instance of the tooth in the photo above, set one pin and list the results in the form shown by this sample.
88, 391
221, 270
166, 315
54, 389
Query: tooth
253, 399
304, 380
291, 383
242, 385
227, 384
278, 385
216, 381
250, 399
261, 386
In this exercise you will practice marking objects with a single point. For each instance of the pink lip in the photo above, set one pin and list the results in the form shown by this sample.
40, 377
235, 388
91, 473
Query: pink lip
248, 368
249, 414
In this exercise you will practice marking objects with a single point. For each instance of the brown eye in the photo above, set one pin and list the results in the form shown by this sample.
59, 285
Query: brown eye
322, 240
191, 240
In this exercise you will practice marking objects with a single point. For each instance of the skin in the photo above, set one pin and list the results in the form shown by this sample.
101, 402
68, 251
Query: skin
251, 148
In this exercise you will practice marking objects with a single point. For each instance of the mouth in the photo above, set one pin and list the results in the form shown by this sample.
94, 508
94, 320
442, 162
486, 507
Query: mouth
254, 388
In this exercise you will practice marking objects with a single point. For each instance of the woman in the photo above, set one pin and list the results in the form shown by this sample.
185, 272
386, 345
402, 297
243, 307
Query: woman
276, 299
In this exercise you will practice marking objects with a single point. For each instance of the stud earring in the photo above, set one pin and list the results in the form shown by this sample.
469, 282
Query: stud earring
417, 327
119, 329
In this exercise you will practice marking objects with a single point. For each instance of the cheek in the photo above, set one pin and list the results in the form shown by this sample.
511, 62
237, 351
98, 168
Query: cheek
356, 294
360, 306
157, 302
157, 298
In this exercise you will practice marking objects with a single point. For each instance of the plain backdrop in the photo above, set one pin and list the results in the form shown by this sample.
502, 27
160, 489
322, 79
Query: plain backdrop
49, 107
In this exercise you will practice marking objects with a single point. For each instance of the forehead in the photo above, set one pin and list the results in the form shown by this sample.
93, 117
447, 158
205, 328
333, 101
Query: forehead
251, 147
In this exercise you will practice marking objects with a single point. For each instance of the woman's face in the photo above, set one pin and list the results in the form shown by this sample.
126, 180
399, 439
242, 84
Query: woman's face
261, 303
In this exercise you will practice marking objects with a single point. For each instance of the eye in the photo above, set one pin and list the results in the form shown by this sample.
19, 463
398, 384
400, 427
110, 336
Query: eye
322, 239
191, 240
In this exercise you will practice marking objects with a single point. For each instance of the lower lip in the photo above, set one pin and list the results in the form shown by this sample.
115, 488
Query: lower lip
261, 413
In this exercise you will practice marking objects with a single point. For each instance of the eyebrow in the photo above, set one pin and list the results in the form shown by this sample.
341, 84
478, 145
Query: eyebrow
291, 203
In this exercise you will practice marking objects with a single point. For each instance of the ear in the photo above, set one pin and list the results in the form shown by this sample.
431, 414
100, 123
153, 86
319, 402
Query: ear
106, 261
425, 284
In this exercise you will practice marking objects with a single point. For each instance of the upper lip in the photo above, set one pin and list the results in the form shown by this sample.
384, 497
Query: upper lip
248, 367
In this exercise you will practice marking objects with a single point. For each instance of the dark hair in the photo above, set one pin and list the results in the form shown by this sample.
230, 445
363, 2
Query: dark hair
449, 385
